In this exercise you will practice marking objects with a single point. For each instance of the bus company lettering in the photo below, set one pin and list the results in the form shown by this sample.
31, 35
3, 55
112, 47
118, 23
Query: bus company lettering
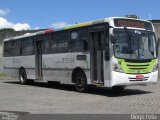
131, 23
68, 60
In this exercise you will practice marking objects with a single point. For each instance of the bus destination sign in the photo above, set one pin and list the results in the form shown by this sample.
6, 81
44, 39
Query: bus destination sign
132, 23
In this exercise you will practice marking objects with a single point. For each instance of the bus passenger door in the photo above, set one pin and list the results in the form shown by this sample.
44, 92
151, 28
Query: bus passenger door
97, 56
38, 59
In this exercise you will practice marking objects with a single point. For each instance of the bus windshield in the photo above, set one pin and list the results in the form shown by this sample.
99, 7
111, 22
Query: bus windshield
134, 44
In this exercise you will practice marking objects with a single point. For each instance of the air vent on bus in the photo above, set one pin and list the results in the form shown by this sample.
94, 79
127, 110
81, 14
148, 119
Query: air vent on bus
134, 79
137, 66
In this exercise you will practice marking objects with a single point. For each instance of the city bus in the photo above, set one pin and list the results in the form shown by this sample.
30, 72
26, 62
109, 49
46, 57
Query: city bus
113, 52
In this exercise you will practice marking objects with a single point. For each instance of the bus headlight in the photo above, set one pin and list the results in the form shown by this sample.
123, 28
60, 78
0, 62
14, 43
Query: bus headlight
117, 68
155, 68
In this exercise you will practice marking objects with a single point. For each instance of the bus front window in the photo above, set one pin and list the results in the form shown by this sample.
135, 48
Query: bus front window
134, 45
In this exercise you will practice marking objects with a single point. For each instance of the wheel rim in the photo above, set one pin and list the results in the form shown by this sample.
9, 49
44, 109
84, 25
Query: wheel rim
80, 83
22, 77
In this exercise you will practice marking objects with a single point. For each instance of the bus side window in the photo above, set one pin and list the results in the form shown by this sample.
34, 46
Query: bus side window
17, 48
8, 46
79, 40
28, 46
46, 43
46, 47
85, 48
83, 36
59, 43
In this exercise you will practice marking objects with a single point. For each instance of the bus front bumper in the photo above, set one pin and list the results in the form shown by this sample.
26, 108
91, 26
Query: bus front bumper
122, 79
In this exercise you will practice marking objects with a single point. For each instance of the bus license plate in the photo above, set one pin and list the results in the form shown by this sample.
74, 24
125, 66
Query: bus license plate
139, 77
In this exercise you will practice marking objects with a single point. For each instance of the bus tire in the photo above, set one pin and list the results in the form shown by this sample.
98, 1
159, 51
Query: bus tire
80, 81
22, 77
118, 88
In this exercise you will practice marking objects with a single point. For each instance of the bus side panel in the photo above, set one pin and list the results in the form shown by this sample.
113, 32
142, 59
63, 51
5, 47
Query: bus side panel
59, 67
57, 75
13, 64
8, 68
28, 63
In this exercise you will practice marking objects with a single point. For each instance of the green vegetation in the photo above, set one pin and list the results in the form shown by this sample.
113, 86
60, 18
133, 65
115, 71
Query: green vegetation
7, 30
2, 75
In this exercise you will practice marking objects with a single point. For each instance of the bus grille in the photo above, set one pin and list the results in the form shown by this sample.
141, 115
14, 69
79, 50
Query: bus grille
136, 66
134, 79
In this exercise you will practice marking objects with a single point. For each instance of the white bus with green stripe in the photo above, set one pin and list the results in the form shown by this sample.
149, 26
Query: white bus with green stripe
113, 52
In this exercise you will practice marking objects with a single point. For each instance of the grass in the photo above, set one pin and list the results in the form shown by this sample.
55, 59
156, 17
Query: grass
2, 75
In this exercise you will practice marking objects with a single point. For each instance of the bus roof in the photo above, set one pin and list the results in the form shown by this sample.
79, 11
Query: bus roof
71, 27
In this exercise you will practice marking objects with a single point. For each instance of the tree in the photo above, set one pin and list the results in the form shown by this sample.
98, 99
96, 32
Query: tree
7, 30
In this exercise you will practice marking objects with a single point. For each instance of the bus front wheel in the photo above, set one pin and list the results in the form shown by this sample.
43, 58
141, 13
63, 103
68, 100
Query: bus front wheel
22, 76
81, 82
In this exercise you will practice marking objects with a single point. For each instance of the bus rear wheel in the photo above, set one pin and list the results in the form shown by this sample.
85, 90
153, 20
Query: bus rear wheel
22, 76
81, 82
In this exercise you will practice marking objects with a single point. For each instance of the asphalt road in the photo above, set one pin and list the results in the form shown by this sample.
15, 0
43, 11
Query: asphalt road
42, 98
